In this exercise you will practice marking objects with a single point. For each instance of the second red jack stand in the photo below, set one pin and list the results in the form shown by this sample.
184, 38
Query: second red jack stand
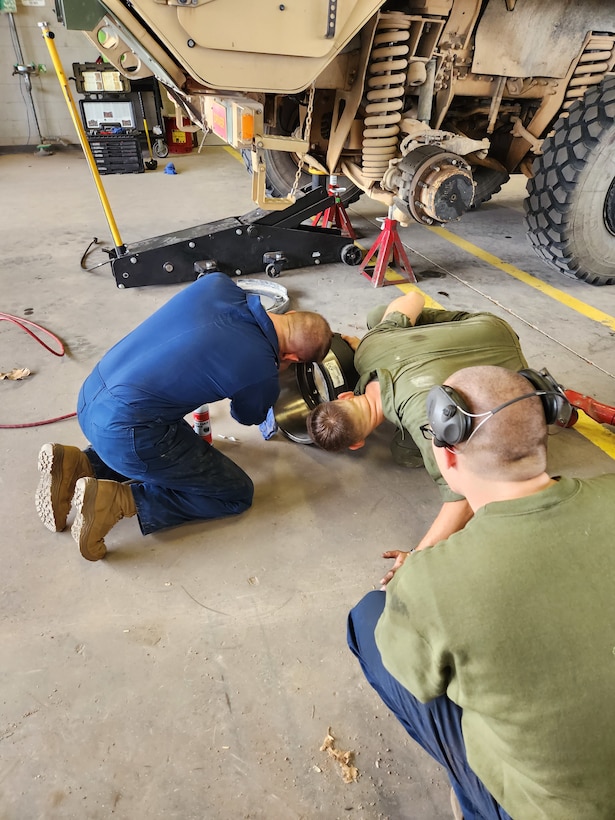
390, 251
336, 215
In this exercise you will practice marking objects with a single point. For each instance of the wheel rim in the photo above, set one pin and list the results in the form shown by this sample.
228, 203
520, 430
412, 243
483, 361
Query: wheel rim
306, 384
609, 209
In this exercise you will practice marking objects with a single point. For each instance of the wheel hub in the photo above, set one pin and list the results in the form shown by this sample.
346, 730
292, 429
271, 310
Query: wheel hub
436, 185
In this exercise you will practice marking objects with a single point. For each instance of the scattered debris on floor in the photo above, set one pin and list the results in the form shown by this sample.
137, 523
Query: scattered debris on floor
16, 373
349, 772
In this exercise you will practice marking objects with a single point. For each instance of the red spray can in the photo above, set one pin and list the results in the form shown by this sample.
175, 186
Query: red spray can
201, 423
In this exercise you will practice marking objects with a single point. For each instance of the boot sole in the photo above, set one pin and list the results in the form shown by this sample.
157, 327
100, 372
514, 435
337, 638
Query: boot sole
84, 500
50, 460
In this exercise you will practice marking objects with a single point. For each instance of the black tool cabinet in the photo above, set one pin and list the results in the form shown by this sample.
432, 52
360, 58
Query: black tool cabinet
117, 153
112, 109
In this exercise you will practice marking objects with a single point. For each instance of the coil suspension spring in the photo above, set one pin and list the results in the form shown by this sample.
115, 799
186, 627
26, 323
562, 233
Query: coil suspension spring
386, 83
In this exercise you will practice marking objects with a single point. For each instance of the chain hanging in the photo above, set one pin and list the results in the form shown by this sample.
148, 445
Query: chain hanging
306, 136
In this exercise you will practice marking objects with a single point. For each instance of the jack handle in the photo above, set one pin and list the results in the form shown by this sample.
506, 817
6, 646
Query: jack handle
49, 37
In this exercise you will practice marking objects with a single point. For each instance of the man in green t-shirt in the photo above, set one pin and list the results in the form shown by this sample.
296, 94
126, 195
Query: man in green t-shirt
407, 350
494, 647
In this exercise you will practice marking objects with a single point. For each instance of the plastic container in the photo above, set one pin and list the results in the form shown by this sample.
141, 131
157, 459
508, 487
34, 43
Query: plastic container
201, 423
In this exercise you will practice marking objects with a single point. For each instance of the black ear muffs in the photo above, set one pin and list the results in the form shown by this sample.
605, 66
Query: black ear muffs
445, 411
554, 402
451, 420
547, 397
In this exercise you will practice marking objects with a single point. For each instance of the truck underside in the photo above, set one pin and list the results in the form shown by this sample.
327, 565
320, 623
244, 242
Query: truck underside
426, 105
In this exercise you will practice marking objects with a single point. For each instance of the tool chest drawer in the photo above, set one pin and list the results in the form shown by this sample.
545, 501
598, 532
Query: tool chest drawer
117, 153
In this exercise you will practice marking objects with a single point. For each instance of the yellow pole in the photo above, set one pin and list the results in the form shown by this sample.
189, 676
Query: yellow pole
53, 53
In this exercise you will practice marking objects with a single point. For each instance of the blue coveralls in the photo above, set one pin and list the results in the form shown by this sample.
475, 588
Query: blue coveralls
209, 342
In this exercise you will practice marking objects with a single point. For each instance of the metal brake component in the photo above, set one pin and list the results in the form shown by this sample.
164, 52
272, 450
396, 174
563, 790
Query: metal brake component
274, 297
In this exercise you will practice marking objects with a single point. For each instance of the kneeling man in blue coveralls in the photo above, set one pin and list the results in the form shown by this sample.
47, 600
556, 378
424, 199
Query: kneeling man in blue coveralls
211, 341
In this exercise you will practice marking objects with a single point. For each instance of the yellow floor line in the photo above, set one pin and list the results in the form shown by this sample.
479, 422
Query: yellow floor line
570, 301
429, 302
233, 152
596, 433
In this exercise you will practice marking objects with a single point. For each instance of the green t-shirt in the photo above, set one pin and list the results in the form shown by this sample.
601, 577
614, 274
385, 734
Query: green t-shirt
408, 360
513, 618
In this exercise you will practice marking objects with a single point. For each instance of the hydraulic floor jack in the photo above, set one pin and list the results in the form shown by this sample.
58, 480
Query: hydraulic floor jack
258, 241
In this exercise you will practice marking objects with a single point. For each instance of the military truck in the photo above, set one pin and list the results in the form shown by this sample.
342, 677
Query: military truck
427, 106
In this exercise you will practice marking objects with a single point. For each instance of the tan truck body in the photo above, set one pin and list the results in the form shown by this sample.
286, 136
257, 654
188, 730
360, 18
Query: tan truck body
425, 105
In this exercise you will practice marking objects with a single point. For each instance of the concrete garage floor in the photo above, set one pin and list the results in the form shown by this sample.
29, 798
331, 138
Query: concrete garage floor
195, 673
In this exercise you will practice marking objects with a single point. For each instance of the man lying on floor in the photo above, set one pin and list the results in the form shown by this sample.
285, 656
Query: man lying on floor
407, 350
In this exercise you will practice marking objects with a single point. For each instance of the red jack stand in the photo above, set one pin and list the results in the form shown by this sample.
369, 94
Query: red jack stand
336, 215
390, 245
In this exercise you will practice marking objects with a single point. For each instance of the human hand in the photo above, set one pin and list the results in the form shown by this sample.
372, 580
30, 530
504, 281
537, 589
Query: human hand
353, 341
399, 557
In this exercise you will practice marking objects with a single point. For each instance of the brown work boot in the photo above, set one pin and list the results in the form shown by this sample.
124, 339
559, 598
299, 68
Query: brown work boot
100, 505
60, 467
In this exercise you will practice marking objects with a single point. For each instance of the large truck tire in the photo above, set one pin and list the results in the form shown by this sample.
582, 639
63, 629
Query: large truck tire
282, 165
281, 171
487, 183
570, 209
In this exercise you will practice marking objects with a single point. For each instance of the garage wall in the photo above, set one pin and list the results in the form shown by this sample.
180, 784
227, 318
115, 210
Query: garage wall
17, 123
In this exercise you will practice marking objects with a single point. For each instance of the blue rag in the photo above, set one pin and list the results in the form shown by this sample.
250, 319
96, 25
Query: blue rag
269, 427
169, 168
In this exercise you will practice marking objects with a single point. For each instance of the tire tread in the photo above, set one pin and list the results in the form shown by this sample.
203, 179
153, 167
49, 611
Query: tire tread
550, 202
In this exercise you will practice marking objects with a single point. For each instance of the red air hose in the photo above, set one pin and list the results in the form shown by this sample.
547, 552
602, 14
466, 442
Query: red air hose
25, 324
